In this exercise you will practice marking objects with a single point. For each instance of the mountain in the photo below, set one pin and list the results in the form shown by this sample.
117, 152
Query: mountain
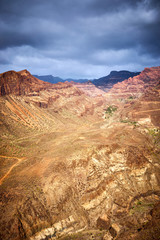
137, 85
141, 95
77, 162
114, 77
20, 83
35, 95
52, 79
105, 83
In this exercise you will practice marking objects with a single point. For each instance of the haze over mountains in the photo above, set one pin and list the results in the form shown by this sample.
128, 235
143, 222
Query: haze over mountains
78, 162
52, 79
105, 83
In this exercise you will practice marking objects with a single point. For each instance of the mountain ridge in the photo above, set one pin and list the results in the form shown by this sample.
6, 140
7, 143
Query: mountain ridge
106, 81
54, 80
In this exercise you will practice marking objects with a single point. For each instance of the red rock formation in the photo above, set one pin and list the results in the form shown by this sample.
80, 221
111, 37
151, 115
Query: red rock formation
20, 83
62, 98
136, 86
89, 88
146, 109
65, 169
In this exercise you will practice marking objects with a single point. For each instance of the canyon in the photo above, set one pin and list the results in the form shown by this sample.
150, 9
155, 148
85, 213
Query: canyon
78, 162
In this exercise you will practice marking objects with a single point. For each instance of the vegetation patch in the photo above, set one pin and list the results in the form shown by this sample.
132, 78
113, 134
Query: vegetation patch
131, 97
134, 123
110, 110
155, 134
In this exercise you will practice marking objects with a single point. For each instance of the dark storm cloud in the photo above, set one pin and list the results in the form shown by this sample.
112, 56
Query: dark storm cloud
102, 6
83, 34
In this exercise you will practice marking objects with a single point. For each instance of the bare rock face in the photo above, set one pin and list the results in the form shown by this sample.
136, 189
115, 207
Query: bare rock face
67, 169
144, 110
60, 97
136, 86
8, 83
89, 88
139, 98
112, 186
20, 83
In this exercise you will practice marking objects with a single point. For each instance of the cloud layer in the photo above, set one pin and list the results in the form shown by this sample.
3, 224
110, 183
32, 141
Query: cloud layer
79, 38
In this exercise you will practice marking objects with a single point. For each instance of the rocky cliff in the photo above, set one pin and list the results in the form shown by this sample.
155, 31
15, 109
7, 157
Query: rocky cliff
20, 83
135, 86
139, 97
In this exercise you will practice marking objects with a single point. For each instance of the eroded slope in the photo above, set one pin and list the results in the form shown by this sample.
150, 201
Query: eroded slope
68, 164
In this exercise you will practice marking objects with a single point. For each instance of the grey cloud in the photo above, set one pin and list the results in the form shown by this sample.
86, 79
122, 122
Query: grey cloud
11, 40
83, 32
4, 61
102, 6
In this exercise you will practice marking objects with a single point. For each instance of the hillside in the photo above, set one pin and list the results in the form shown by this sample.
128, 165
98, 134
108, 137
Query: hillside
79, 163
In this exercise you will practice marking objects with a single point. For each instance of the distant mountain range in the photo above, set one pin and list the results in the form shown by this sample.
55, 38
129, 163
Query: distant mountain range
114, 77
52, 79
104, 83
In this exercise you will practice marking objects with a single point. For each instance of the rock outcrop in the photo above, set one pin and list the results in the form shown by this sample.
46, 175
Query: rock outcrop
20, 83
135, 86
89, 89
145, 110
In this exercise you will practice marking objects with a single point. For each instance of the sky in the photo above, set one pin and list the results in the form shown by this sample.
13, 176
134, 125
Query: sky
79, 38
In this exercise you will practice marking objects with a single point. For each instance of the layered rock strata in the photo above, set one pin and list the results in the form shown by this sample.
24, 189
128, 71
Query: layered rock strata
67, 170
135, 86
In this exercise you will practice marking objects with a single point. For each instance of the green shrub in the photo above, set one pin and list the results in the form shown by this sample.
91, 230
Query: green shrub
128, 121
155, 133
131, 98
110, 110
